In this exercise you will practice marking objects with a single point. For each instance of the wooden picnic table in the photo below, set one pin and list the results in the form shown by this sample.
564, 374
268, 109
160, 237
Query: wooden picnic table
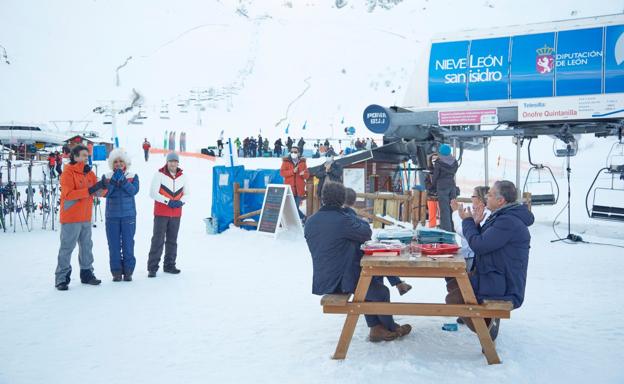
415, 266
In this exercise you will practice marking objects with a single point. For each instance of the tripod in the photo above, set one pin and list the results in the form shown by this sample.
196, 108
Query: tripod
571, 236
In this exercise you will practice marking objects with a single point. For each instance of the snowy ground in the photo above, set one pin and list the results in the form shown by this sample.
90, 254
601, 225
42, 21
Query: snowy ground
241, 311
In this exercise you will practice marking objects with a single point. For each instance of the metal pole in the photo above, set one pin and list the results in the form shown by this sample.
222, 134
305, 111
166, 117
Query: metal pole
518, 147
485, 160
455, 147
113, 112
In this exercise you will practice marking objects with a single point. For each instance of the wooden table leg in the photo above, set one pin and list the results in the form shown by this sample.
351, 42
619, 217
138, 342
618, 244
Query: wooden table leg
489, 349
351, 320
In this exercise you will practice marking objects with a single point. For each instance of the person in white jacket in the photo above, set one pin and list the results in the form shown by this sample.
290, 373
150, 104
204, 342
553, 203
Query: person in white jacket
170, 192
479, 200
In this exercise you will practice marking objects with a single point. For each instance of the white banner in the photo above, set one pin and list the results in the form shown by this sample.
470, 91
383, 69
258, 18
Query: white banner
606, 106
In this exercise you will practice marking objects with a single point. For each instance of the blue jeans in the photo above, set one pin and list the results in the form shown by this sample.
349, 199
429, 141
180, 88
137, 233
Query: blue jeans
378, 292
120, 235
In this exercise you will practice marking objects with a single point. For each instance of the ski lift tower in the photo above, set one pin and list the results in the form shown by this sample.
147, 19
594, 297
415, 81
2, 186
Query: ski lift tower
110, 109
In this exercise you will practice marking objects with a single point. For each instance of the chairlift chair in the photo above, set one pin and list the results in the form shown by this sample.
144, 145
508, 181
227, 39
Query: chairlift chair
608, 201
108, 118
563, 149
539, 195
164, 112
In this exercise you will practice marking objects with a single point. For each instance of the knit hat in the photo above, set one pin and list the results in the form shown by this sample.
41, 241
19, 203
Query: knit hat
172, 156
444, 150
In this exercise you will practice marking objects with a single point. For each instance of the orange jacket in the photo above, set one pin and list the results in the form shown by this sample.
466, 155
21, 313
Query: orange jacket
296, 180
76, 203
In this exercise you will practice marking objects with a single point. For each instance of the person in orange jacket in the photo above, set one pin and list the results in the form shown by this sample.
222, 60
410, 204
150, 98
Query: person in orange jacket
294, 170
78, 186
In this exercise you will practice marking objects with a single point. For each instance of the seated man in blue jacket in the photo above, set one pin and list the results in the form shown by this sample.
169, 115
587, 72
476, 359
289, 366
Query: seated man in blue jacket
501, 250
334, 238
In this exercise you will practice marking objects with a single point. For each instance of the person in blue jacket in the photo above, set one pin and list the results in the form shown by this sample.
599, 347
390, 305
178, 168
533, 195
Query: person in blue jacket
501, 248
121, 187
334, 239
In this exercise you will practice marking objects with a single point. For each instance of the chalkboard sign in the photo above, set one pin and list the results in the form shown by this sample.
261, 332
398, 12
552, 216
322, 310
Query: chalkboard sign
272, 208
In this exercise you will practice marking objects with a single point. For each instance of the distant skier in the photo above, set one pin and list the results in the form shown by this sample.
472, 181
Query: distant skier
52, 164
220, 144
59, 163
146, 148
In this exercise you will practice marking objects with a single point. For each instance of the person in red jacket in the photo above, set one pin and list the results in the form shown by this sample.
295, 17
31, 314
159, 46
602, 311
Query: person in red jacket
146, 148
78, 186
52, 164
170, 191
295, 173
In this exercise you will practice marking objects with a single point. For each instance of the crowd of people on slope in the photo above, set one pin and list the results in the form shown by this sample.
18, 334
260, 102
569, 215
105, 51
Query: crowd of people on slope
79, 185
261, 147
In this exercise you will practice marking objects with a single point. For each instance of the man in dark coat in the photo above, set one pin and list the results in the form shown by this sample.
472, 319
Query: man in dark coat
277, 147
289, 143
501, 250
334, 239
301, 144
443, 179
331, 171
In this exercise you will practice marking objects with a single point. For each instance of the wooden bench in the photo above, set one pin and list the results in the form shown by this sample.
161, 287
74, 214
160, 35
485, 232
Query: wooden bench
335, 300
415, 267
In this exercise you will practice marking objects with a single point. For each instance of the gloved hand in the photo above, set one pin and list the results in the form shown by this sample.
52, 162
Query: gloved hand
104, 181
87, 168
175, 204
96, 187
117, 176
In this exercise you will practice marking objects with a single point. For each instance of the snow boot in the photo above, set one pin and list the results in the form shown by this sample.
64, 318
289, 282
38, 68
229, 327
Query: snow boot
380, 333
493, 328
87, 277
151, 273
127, 277
116, 277
62, 287
172, 270
403, 288
403, 330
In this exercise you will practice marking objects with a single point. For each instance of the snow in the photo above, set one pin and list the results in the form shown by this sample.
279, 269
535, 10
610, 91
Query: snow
241, 310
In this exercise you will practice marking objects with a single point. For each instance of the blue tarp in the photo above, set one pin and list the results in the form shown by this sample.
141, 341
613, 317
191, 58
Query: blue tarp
99, 152
258, 178
223, 179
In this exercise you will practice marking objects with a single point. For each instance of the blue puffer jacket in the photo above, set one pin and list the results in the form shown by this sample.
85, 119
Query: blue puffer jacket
501, 250
120, 198
334, 238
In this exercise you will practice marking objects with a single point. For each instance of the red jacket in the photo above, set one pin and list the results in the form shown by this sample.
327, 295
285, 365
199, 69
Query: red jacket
146, 146
296, 180
76, 203
166, 187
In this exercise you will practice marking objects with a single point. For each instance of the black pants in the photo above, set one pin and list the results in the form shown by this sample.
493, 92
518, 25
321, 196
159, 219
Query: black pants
165, 234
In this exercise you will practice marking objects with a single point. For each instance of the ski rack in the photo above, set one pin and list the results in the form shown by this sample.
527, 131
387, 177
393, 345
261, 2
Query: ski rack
11, 203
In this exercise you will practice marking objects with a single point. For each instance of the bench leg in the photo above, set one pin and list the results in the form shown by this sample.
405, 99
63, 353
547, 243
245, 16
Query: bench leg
345, 337
351, 320
487, 344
